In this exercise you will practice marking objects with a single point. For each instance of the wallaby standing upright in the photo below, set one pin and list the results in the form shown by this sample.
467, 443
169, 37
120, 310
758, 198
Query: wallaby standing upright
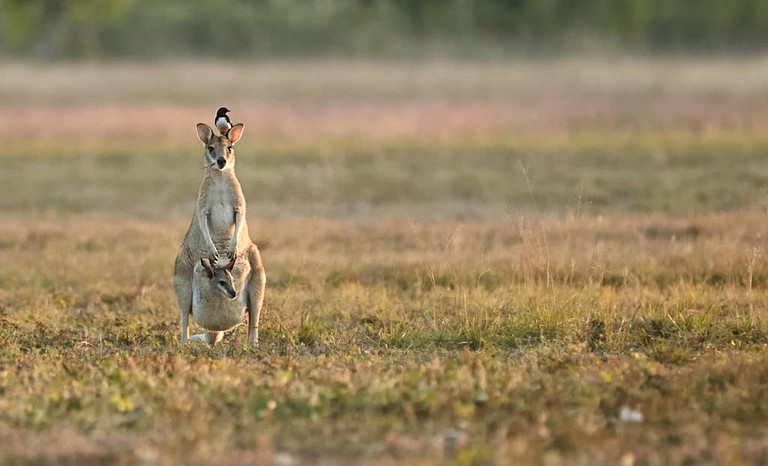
219, 225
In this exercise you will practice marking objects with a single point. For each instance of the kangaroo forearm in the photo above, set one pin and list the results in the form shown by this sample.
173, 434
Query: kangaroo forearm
202, 220
239, 222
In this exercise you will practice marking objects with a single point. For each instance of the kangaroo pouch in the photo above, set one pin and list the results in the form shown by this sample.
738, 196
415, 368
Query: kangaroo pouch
216, 312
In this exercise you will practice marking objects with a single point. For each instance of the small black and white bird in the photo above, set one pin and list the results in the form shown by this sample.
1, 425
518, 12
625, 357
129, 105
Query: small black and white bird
222, 120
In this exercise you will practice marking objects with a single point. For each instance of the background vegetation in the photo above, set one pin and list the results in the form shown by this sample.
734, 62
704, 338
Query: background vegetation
239, 28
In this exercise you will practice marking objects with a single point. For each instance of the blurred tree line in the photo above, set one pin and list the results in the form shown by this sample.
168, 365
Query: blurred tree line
145, 28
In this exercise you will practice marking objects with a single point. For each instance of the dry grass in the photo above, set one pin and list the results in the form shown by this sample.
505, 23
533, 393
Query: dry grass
322, 80
645, 173
454, 275
476, 341
306, 103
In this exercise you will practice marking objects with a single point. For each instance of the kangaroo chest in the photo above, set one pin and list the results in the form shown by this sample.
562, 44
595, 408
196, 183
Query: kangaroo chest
221, 211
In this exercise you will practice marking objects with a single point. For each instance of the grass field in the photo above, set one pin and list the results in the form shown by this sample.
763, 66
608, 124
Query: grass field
532, 263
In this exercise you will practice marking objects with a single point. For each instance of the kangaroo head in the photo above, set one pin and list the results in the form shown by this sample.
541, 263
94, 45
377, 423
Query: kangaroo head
221, 277
219, 149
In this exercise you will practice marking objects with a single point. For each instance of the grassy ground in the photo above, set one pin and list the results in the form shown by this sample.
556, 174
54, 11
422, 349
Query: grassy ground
587, 285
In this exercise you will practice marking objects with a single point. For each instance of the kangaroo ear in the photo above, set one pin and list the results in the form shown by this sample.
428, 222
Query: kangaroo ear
204, 132
235, 132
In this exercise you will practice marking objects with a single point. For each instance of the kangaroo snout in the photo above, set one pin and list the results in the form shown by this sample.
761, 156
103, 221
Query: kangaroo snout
228, 291
221, 161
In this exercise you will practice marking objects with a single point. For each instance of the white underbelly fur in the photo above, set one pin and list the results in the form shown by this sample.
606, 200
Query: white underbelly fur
222, 219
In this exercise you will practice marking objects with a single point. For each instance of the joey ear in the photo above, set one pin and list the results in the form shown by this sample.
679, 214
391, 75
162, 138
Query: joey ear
204, 132
235, 132
231, 263
207, 267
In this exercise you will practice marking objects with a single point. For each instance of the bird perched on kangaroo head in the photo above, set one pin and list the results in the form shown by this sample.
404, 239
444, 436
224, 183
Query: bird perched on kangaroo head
222, 121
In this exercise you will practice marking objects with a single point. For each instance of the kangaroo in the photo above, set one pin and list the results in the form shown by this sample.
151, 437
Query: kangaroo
218, 224
218, 301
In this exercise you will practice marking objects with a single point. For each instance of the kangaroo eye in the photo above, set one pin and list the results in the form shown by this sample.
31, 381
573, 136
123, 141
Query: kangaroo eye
222, 282
210, 149
229, 148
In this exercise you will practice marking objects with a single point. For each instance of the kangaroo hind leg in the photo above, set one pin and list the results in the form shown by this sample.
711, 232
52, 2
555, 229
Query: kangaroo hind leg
182, 285
257, 282
214, 337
